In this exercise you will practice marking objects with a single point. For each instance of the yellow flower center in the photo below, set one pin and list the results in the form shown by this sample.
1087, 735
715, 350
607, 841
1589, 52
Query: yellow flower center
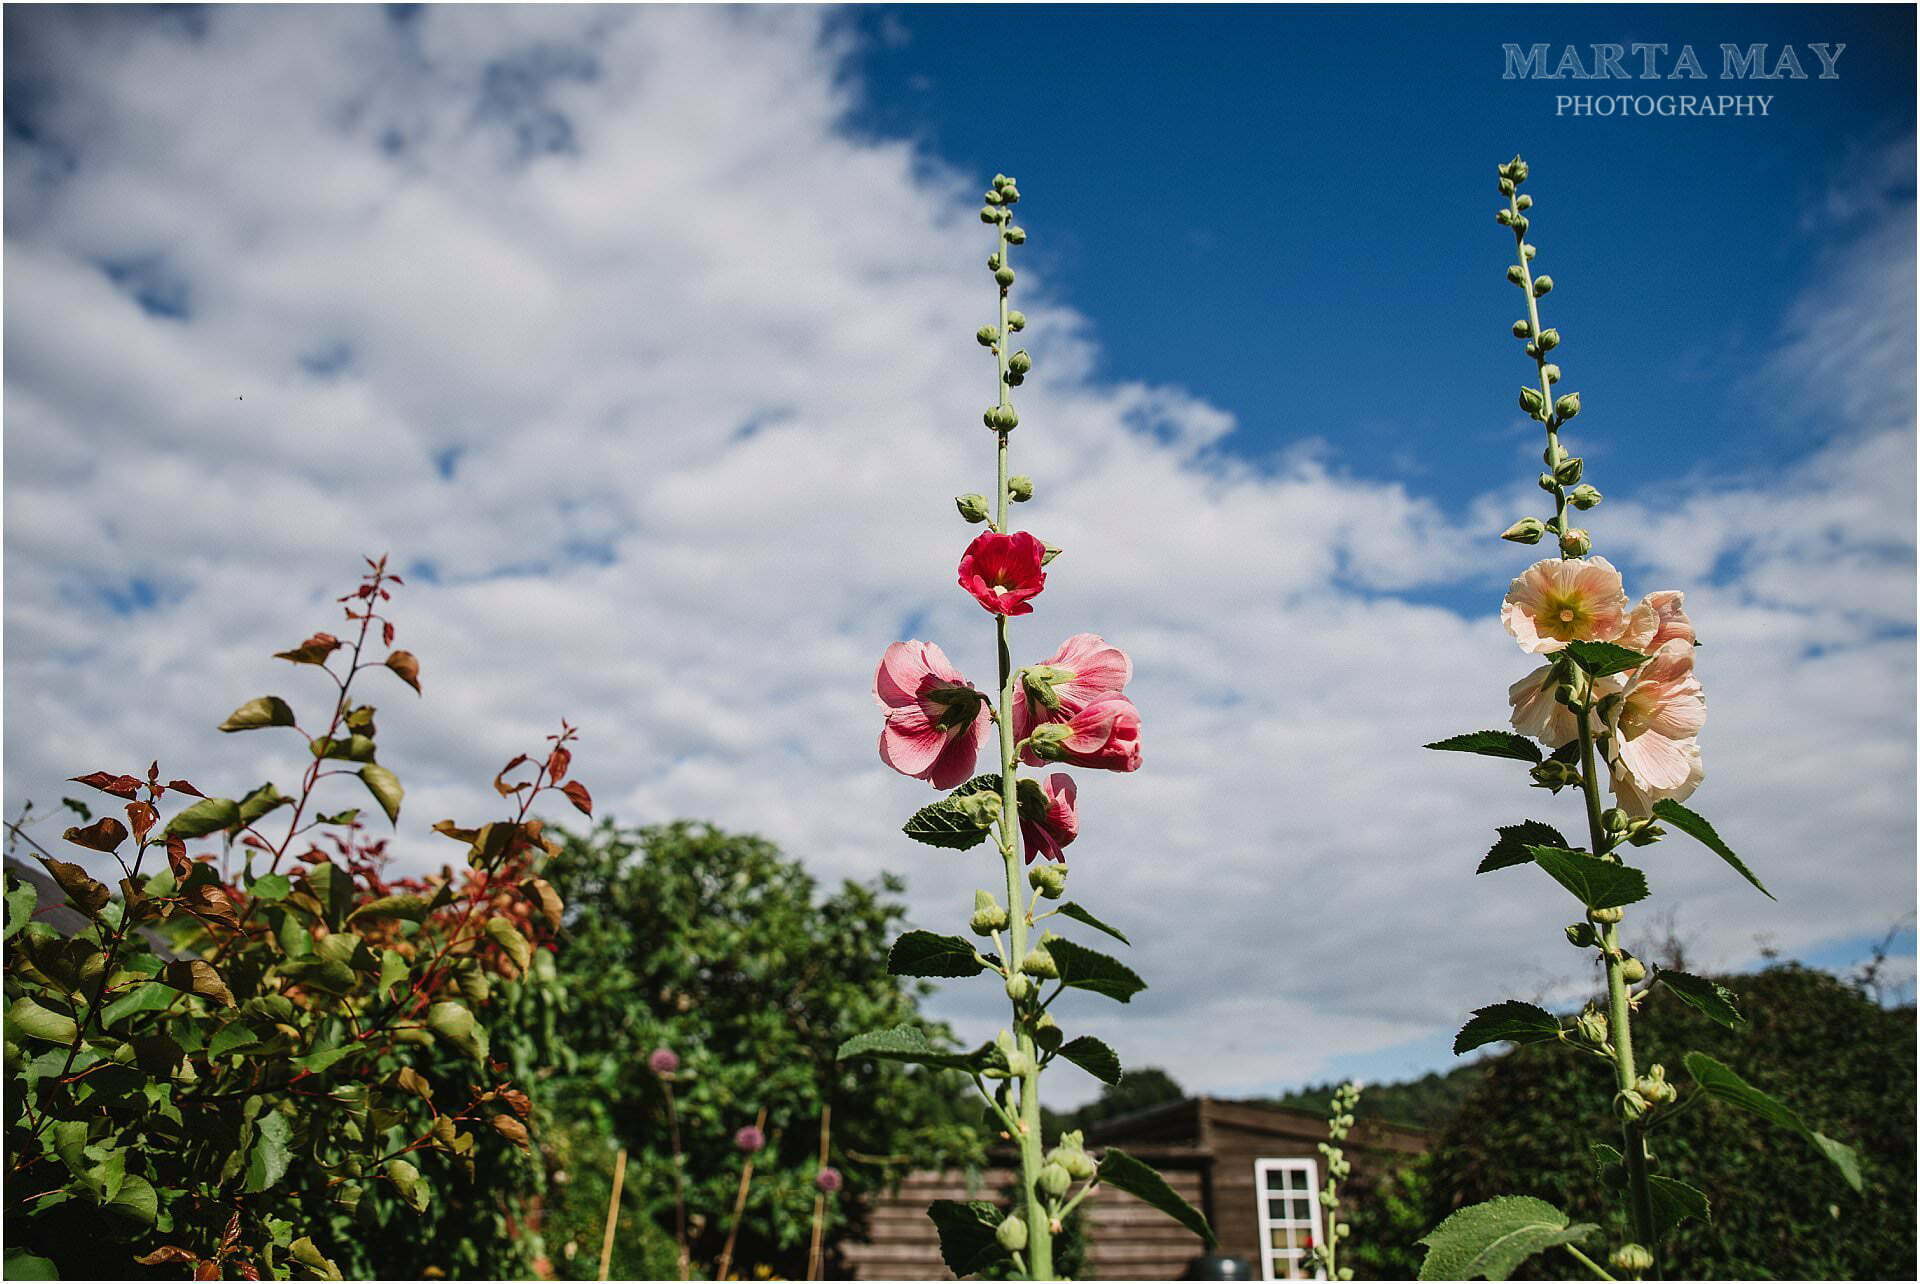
1564, 617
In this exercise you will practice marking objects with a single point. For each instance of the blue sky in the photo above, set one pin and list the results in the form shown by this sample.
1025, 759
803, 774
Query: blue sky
650, 331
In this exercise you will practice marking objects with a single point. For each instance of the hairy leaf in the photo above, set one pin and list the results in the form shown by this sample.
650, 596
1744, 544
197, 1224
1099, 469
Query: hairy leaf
1515, 844
909, 1043
1507, 1022
956, 823
1085, 969
929, 954
1601, 659
1712, 998
967, 1241
1093, 1056
1494, 744
1599, 884
1489, 1240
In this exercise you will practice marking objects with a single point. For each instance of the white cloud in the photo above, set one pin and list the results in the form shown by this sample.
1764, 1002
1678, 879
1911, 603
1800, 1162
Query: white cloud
606, 318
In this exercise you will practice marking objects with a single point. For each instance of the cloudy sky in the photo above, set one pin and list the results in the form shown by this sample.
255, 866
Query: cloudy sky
642, 339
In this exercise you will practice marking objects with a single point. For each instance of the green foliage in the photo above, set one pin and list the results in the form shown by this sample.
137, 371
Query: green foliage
1493, 744
1487, 1241
717, 947
1843, 1064
1122, 1171
1508, 1022
1694, 824
225, 1067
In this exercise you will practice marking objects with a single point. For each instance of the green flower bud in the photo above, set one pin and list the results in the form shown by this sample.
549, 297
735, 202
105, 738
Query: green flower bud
1547, 483
989, 915
1040, 963
1517, 170
1567, 407
1053, 551
1055, 1180
988, 335
1631, 1258
1527, 530
1520, 224
1019, 363
973, 507
1614, 820
1078, 1163
1582, 936
1553, 775
1010, 193
1583, 497
1592, 1026
1531, 401
1343, 1230
1506, 187
1001, 418
1016, 321
1633, 971
1644, 833
1551, 371
1630, 1104
1612, 914
1542, 286
1528, 251
988, 214
1576, 543
1525, 202
1004, 275
1012, 1234
1018, 987
1017, 235
1046, 1032
1503, 216
1569, 470
1523, 329
994, 198
1021, 1064
1514, 273
1020, 488
1049, 879
1654, 1087
1549, 340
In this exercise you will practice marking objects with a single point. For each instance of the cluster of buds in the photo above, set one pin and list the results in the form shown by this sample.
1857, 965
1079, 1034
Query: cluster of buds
1636, 831
1632, 1259
1346, 1098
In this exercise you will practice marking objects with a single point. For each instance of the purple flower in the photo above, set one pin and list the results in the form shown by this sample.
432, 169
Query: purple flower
750, 1139
828, 1180
663, 1061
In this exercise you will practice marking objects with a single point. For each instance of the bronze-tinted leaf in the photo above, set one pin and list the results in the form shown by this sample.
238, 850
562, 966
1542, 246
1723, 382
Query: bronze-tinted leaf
107, 782
314, 650
181, 786
167, 1255
500, 784
541, 893
196, 976
87, 894
577, 795
405, 667
143, 817
413, 1081
103, 835
557, 763
512, 1129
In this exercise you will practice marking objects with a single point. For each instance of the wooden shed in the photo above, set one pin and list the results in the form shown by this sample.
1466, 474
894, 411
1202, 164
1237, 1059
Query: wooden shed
1255, 1170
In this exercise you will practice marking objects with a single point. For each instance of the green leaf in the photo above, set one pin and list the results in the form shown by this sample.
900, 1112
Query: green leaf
27, 1018
1493, 1238
1601, 659
926, 954
1674, 1202
319, 1062
406, 1179
385, 788
987, 784
454, 1023
208, 816
261, 801
956, 823
1515, 844
1122, 1171
1508, 1022
137, 1205
267, 711
509, 938
1712, 998
149, 996
967, 1241
909, 1043
405, 905
25, 1266
1074, 911
1494, 744
1693, 823
22, 900
1717, 1081
1093, 1056
271, 887
1599, 884
1085, 969
235, 1034
393, 969
271, 1154
353, 748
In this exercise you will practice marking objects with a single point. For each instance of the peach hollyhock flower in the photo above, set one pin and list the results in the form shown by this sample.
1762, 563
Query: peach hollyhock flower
1105, 735
1658, 620
1653, 727
1003, 571
1084, 668
936, 721
1536, 713
1049, 816
1562, 600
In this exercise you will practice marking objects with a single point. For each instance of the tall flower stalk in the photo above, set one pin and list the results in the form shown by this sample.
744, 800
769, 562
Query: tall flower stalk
1617, 688
1070, 709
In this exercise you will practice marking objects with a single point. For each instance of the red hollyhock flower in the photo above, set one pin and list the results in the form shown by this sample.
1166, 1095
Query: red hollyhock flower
1003, 571
1104, 735
1049, 817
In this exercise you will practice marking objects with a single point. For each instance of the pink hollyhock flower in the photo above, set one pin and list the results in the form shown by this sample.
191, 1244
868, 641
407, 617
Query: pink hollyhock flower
1105, 734
936, 721
1049, 815
1654, 752
663, 1061
750, 1139
1085, 668
828, 1180
1003, 571
1562, 600
1658, 620
1536, 713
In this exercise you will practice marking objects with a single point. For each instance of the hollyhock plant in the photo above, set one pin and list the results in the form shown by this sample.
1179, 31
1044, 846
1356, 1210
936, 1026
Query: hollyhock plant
1068, 709
1619, 689
936, 722
1003, 571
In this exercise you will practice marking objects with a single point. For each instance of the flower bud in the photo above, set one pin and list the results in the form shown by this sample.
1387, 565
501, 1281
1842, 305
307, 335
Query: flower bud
994, 261
1525, 202
1020, 363
1549, 340
1644, 833
1021, 1064
1055, 1180
1654, 1087
994, 198
1001, 418
1503, 216
1049, 879
1576, 543
1582, 936
1630, 1104
1020, 488
1018, 987
1520, 225
1614, 820
1547, 483
1542, 286
973, 507
1553, 775
1053, 551
1567, 407
1523, 329
1583, 497
1506, 186
1004, 275
1071, 1155
1040, 963
1528, 251
988, 335
1531, 401
1633, 971
1592, 1025
1551, 371
1611, 914
1527, 530
1046, 1032
1514, 273
1017, 235
1343, 1230
1016, 321
989, 915
1010, 193
988, 214
1012, 1234
1569, 469
1631, 1258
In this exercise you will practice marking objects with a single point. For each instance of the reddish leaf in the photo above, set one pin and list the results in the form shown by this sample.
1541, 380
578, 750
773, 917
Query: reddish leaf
314, 650
207, 1271
103, 835
181, 786
143, 817
577, 794
500, 782
107, 782
177, 856
557, 763
167, 1254
512, 1129
87, 894
517, 1100
386, 632
210, 901
406, 668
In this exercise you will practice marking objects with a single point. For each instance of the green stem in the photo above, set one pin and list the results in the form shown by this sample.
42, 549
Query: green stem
1590, 1264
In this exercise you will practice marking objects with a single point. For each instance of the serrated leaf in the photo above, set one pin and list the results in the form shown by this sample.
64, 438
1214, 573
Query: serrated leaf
1514, 846
1710, 997
968, 1244
267, 711
1598, 884
909, 1043
385, 788
1093, 1056
1721, 1083
1509, 1022
929, 954
271, 1154
1085, 969
28, 1019
208, 816
1674, 1202
1494, 744
953, 823
1491, 1239
1601, 659
1122, 1171
1081, 914
1694, 824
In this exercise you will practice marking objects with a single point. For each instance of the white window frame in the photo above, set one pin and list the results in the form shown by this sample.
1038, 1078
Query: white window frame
1270, 1257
